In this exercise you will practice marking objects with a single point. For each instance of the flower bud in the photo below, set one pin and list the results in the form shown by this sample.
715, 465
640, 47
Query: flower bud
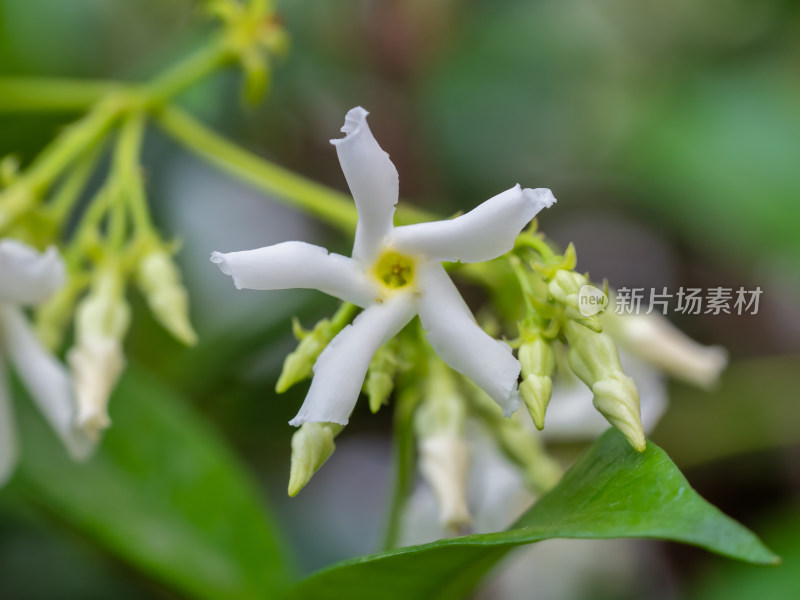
312, 445
379, 382
299, 365
443, 456
159, 280
538, 363
444, 462
53, 317
594, 358
97, 359
653, 338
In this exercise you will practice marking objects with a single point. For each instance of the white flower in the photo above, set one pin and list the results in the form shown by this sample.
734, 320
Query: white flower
395, 273
28, 277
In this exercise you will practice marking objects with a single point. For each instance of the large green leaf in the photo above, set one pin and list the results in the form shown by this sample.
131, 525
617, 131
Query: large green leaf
611, 492
163, 494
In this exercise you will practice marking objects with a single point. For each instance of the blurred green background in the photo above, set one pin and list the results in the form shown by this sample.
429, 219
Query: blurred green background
670, 134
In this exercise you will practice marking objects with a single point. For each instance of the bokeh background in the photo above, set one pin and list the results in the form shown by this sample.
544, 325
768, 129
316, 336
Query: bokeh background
669, 132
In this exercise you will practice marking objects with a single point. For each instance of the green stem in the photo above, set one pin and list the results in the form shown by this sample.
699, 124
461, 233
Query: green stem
129, 171
193, 68
28, 94
328, 205
531, 240
70, 190
404, 459
74, 140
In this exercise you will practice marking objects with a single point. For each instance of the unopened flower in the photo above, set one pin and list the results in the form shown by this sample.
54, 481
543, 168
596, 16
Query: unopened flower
395, 273
653, 338
97, 359
27, 278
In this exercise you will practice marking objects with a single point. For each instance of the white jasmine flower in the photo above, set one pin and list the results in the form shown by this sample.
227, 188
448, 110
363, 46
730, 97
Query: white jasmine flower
28, 277
395, 273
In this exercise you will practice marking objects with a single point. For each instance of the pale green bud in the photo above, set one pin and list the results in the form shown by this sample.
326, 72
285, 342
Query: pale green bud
299, 365
536, 391
160, 282
594, 358
312, 445
565, 287
617, 399
379, 382
54, 316
538, 363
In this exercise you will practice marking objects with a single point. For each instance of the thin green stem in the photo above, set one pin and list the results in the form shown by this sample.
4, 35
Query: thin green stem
189, 71
328, 205
29, 94
531, 240
404, 455
129, 171
74, 140
74, 183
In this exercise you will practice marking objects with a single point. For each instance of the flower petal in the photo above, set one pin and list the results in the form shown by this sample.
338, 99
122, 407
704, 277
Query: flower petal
484, 233
340, 370
46, 380
452, 331
28, 276
9, 450
373, 181
298, 265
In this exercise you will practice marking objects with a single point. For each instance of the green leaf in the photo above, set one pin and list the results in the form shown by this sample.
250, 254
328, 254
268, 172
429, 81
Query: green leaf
163, 494
611, 492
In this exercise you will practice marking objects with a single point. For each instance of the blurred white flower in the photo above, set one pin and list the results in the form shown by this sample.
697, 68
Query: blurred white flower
28, 277
395, 273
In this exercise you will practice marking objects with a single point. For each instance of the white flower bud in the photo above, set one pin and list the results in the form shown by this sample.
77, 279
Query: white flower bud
444, 462
159, 280
97, 359
653, 338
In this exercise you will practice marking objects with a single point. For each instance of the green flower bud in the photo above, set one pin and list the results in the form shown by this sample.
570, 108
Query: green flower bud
299, 364
379, 382
538, 363
54, 316
595, 360
312, 445
159, 280
536, 391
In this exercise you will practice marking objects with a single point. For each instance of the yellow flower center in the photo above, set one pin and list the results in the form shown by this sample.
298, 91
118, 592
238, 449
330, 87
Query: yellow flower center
394, 270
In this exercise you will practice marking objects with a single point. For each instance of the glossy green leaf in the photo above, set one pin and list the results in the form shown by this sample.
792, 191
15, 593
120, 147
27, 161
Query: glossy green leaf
163, 494
611, 492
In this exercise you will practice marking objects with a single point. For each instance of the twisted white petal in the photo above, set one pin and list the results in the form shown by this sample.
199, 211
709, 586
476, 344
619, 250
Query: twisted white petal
45, 379
461, 343
656, 340
340, 370
28, 276
9, 450
373, 181
298, 265
484, 233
